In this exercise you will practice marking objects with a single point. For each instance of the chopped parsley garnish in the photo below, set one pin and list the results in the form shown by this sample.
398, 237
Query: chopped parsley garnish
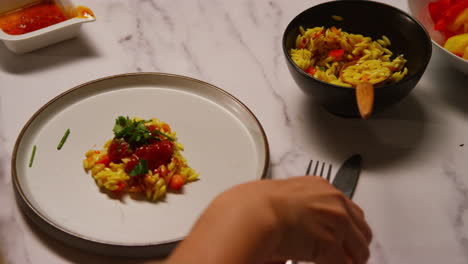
134, 132
140, 168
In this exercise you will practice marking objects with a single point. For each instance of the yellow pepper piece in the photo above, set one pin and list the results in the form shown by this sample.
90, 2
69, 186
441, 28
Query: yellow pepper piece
460, 24
458, 44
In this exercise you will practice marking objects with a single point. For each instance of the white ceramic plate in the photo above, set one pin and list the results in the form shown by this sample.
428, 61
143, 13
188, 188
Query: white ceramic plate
223, 141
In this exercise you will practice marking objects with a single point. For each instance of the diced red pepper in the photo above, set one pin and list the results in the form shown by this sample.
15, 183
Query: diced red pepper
177, 181
444, 12
311, 70
447, 33
318, 34
441, 24
437, 8
120, 185
435, 11
302, 44
166, 127
150, 127
452, 12
337, 54
104, 160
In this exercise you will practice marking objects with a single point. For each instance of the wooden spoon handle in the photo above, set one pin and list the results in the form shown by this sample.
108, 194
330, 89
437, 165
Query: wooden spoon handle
365, 98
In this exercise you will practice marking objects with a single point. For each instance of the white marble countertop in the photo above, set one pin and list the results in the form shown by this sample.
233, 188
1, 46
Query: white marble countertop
414, 184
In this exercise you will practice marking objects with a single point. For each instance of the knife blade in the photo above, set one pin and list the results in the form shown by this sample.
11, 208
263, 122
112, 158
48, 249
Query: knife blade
347, 176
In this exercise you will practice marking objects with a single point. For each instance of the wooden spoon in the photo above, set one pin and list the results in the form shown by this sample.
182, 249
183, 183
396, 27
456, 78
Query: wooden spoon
363, 76
365, 98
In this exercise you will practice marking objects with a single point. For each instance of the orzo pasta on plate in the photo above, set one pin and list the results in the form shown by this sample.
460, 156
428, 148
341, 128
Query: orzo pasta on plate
143, 157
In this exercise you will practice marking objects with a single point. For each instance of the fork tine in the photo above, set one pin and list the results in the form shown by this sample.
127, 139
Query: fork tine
308, 168
321, 170
329, 172
317, 163
315, 168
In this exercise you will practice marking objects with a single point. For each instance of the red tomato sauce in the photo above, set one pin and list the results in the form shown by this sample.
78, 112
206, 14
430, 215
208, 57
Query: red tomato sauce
31, 18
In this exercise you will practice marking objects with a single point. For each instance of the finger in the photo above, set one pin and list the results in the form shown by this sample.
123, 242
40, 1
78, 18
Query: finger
355, 245
358, 209
358, 218
333, 255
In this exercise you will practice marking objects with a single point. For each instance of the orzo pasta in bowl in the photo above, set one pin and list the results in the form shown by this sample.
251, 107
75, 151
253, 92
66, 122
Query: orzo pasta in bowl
325, 53
384, 36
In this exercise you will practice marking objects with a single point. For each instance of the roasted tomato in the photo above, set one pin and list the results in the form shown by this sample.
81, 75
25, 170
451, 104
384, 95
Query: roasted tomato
118, 149
156, 154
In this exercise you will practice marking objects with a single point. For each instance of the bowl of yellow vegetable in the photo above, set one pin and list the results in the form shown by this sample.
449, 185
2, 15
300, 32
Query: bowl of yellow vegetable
447, 23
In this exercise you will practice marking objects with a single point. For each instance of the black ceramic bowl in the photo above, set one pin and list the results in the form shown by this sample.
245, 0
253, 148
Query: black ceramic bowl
370, 19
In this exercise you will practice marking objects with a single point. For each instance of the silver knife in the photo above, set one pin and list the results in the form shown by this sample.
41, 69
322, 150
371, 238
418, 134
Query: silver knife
347, 176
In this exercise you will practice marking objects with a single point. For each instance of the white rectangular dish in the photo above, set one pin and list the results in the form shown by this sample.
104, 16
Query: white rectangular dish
46, 36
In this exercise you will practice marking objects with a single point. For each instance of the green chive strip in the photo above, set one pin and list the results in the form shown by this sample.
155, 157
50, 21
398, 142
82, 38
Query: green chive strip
32, 156
164, 135
64, 138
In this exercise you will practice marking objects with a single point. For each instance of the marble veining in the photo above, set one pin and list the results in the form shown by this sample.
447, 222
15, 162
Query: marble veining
252, 54
413, 186
460, 215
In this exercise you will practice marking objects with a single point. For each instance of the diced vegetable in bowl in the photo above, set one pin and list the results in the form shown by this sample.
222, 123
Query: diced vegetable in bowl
447, 23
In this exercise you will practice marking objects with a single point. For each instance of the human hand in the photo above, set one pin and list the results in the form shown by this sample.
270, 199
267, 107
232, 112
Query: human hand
302, 218
318, 223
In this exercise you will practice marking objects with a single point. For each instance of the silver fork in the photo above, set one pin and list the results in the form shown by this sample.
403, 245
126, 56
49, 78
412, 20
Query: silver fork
316, 173
309, 167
